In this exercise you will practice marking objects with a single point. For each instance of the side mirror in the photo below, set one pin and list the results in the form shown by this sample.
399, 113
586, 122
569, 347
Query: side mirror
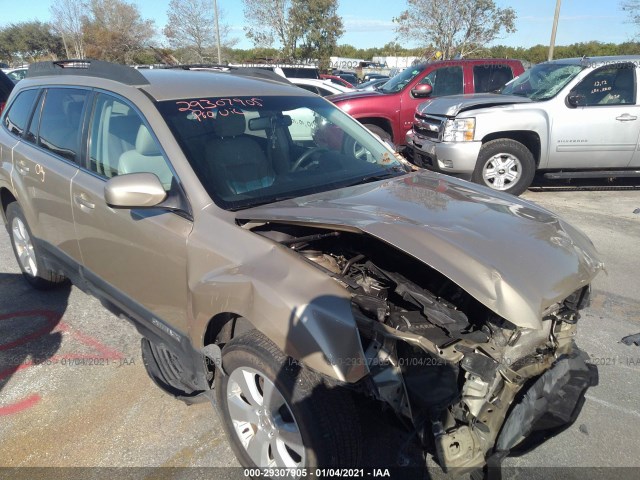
575, 100
422, 91
134, 190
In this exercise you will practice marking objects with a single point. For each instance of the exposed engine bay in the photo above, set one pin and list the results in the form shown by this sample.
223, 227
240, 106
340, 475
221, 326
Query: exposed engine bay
472, 385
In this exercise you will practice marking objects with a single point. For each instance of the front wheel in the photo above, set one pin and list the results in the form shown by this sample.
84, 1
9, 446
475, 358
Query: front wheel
380, 132
27, 252
505, 165
279, 414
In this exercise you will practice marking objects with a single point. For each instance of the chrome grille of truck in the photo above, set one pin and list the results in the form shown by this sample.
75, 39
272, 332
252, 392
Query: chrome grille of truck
429, 127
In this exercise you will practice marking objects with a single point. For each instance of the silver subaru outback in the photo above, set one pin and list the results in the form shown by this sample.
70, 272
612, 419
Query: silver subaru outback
279, 260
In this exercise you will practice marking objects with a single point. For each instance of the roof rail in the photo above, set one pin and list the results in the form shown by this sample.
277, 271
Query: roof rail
197, 66
88, 68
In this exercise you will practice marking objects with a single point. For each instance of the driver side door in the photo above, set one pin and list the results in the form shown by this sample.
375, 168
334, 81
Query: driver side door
602, 131
137, 256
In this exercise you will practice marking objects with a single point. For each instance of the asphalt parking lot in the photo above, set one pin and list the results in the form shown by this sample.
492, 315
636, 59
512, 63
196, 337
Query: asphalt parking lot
74, 392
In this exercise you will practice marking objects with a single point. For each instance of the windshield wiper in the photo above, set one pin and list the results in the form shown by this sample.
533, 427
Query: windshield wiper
387, 173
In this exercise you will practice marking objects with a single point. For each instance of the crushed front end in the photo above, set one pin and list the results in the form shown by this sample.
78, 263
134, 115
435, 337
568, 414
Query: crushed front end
472, 385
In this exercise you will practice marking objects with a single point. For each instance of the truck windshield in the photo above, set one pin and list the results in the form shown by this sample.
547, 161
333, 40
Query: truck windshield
401, 80
542, 81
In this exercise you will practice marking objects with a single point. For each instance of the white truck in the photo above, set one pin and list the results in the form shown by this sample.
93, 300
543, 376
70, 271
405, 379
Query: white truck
570, 118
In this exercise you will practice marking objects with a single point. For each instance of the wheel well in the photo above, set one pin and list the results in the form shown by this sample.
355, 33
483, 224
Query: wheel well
224, 326
378, 122
531, 140
6, 197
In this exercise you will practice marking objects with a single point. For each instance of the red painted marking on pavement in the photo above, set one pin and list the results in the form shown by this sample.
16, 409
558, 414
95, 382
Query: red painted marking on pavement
51, 318
21, 405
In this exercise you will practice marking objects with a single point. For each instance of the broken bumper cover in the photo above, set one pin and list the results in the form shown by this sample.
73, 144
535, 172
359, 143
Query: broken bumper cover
549, 406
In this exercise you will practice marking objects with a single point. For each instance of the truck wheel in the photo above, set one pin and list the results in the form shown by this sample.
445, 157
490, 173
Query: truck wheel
505, 165
277, 413
27, 253
381, 132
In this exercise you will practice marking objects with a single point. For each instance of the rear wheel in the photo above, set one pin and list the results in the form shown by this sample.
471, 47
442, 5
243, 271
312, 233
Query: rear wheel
505, 165
27, 252
277, 413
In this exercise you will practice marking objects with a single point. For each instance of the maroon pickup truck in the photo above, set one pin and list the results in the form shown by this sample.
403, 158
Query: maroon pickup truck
389, 110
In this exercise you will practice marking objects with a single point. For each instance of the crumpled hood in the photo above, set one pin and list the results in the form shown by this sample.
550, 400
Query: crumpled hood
511, 255
452, 105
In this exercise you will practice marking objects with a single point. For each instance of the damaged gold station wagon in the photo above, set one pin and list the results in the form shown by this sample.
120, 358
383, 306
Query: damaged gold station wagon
279, 260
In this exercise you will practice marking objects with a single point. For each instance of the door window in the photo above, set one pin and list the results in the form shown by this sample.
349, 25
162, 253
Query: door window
491, 78
18, 114
445, 81
61, 121
121, 143
610, 85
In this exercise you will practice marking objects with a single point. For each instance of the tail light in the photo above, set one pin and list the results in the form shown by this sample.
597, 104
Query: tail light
2, 104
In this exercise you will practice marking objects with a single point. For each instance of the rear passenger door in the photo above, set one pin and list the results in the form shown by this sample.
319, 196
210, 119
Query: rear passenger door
136, 256
45, 161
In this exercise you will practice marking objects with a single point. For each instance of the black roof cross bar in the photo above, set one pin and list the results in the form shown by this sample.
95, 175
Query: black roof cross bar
88, 68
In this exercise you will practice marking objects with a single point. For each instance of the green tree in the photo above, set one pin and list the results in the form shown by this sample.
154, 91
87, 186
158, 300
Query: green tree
455, 27
115, 31
318, 26
29, 41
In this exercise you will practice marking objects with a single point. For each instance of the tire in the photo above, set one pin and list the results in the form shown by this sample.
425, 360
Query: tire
27, 252
505, 165
382, 133
306, 422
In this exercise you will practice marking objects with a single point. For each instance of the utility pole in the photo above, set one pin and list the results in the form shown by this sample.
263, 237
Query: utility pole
554, 29
215, 8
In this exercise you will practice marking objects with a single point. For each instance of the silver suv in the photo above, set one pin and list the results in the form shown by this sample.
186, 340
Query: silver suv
278, 259
569, 118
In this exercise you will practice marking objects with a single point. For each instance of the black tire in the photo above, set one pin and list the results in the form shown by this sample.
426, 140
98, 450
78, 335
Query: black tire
38, 276
505, 150
326, 418
381, 132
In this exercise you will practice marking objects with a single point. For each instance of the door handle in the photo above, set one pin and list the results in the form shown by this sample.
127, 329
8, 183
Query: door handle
82, 200
22, 167
626, 118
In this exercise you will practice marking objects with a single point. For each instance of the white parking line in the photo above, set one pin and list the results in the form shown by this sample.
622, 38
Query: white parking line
613, 406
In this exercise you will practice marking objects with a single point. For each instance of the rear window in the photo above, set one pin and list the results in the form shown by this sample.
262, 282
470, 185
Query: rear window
491, 78
16, 118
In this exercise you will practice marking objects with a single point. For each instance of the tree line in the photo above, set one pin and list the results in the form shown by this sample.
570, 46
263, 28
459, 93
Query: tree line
282, 30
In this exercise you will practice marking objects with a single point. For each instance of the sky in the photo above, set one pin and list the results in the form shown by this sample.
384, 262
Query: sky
368, 23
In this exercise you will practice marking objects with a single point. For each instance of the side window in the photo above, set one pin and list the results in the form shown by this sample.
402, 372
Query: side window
18, 114
611, 85
445, 81
121, 143
490, 78
61, 121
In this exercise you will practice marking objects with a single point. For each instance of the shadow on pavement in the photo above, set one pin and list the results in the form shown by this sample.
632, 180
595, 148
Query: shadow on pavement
27, 320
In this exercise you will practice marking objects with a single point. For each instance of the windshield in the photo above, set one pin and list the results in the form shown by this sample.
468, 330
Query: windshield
542, 81
249, 151
397, 83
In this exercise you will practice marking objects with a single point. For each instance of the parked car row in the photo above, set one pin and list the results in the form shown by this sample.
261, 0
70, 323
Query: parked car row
280, 259
569, 118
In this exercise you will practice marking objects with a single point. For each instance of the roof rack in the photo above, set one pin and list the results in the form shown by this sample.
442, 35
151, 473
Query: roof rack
197, 66
88, 68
